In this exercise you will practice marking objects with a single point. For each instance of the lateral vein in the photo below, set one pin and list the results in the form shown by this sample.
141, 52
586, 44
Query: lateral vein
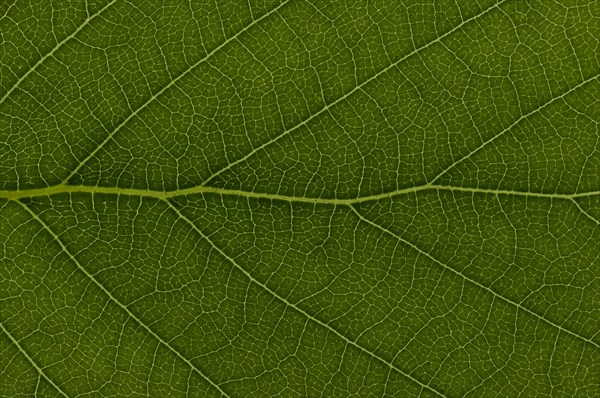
165, 88
348, 94
295, 307
472, 281
31, 361
114, 299
516, 122
54, 50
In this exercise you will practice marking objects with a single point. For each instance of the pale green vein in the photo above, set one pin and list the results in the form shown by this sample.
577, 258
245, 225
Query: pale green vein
348, 94
54, 50
31, 361
585, 213
114, 299
295, 307
472, 281
516, 122
63, 188
154, 96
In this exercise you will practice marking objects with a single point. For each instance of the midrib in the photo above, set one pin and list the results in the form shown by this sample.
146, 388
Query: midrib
63, 188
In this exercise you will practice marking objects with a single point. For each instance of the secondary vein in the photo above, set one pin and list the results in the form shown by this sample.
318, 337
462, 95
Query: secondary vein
472, 281
112, 298
294, 306
31, 361
54, 50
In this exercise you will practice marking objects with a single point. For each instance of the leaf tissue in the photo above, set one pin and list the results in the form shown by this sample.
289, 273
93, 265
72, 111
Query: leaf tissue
300, 198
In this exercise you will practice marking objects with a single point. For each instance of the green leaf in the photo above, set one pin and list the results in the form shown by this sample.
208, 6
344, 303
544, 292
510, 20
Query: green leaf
300, 198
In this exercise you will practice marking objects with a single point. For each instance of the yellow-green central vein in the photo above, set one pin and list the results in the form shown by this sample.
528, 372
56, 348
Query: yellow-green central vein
199, 190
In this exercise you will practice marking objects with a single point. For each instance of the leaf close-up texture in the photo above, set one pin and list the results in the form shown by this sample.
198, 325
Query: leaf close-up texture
300, 198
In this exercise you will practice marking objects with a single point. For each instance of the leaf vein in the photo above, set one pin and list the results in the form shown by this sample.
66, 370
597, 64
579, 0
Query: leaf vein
59, 189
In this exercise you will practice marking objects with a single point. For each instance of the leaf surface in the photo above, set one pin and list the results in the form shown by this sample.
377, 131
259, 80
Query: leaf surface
300, 198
